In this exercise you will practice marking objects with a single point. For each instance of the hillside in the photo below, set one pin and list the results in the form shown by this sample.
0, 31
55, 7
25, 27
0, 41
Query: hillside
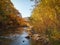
11, 20
46, 18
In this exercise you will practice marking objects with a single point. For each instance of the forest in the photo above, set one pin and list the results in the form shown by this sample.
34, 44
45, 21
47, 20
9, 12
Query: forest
45, 19
43, 26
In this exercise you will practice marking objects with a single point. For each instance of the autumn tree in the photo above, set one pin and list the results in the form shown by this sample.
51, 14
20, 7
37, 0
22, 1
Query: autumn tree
10, 18
46, 17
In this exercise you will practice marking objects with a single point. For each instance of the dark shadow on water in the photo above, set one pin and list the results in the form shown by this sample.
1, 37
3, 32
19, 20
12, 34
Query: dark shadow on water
17, 40
21, 40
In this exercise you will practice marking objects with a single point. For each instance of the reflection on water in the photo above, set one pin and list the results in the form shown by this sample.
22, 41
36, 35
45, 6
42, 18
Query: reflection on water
21, 40
15, 40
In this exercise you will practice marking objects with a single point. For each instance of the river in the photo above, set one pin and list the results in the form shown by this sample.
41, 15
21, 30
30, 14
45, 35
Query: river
15, 40
18, 39
21, 40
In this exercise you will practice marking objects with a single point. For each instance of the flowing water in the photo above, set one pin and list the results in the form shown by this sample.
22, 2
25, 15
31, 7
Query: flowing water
21, 40
15, 40
18, 40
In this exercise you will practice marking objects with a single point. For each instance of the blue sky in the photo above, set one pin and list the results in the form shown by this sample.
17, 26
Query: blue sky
23, 6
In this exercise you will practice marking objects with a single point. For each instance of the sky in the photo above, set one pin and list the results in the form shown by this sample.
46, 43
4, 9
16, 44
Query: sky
24, 7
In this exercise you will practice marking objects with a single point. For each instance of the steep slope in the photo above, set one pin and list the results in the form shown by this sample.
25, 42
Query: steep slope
10, 18
46, 17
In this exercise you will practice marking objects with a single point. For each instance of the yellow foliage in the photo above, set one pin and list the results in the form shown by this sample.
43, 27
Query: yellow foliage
46, 16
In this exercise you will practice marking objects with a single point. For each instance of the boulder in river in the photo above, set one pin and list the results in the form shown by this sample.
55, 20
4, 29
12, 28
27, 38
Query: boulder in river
28, 37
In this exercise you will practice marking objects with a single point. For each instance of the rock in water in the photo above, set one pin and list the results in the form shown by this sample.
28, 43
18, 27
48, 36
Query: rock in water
28, 37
